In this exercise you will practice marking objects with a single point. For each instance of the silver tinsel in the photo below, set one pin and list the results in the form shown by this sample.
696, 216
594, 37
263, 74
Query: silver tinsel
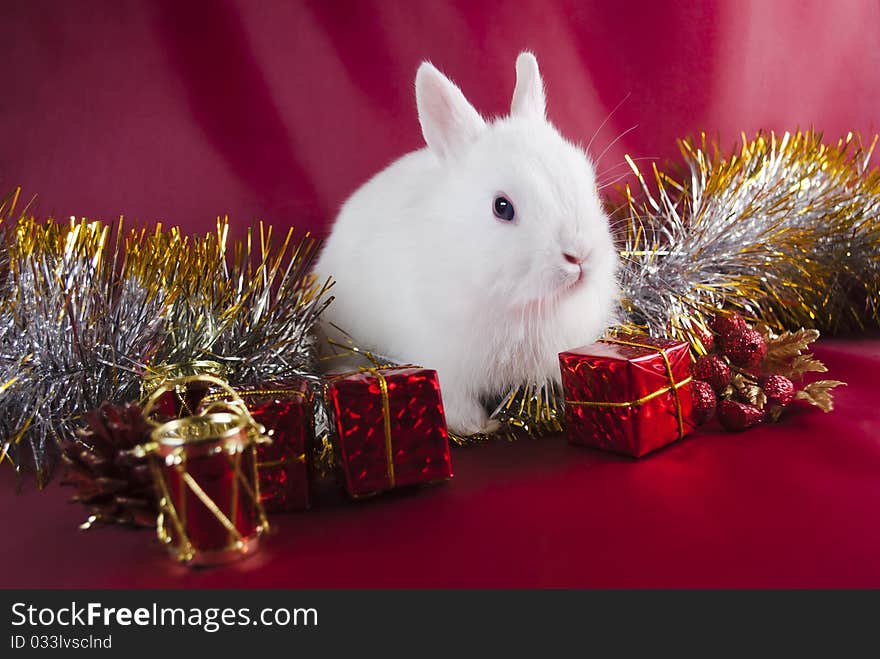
786, 232
74, 333
88, 315
252, 311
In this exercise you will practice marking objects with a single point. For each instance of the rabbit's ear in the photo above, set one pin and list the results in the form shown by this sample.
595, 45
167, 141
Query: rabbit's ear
528, 95
449, 122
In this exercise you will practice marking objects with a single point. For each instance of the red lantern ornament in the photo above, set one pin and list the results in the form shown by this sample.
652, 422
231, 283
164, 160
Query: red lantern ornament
778, 389
746, 349
704, 400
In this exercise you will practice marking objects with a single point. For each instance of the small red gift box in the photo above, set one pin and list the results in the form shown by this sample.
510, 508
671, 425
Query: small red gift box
389, 427
285, 410
626, 395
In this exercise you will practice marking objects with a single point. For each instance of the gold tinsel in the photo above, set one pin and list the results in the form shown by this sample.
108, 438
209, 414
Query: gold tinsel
87, 311
785, 231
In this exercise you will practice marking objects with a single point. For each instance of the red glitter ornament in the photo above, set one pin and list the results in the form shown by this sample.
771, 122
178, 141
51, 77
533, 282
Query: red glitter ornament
738, 416
746, 349
728, 324
778, 389
704, 401
713, 370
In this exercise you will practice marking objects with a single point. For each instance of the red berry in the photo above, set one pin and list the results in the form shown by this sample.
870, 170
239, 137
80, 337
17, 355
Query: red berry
778, 389
724, 324
712, 369
738, 416
704, 401
746, 349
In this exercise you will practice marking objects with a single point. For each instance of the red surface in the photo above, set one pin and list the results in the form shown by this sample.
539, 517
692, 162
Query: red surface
181, 111
789, 505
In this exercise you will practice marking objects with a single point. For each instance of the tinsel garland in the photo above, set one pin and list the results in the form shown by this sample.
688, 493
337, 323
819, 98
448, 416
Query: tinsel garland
787, 231
250, 308
87, 313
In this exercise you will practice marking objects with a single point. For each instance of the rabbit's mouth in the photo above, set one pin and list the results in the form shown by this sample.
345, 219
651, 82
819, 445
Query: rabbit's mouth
562, 285
573, 282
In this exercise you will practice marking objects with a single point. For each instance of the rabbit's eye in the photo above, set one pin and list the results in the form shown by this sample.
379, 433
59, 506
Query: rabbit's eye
503, 209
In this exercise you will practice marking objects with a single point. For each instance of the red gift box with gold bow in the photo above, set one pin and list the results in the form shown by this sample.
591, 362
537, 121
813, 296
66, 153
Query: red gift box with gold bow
389, 427
627, 394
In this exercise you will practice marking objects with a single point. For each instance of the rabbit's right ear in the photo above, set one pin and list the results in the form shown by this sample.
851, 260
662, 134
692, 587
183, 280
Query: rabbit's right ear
449, 122
528, 96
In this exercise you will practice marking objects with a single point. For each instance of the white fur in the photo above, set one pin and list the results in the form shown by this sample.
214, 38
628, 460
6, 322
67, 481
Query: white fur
425, 273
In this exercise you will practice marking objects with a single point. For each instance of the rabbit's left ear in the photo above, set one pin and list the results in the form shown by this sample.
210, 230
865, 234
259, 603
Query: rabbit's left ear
449, 122
528, 96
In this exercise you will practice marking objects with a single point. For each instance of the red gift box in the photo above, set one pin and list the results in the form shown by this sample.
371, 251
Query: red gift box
285, 410
626, 394
389, 427
283, 467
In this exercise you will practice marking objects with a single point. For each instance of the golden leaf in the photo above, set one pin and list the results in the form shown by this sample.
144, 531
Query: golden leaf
749, 390
754, 395
738, 382
803, 364
774, 413
790, 344
818, 393
765, 330
784, 353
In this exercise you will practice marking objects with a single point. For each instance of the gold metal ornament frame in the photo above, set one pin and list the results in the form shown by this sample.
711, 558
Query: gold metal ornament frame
229, 430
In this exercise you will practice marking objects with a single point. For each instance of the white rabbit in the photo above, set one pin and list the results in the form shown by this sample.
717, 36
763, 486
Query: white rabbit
482, 256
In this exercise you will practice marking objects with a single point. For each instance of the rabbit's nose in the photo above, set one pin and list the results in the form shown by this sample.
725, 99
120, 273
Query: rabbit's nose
574, 258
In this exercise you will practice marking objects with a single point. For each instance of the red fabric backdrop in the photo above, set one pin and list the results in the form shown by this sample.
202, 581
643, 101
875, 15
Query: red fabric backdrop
181, 111
278, 110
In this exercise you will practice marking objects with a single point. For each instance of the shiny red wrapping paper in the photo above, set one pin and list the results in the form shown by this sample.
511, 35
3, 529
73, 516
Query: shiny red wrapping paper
286, 411
621, 398
389, 408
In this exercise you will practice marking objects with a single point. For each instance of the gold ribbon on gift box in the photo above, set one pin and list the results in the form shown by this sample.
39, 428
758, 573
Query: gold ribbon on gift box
349, 349
352, 349
386, 407
673, 385
217, 399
